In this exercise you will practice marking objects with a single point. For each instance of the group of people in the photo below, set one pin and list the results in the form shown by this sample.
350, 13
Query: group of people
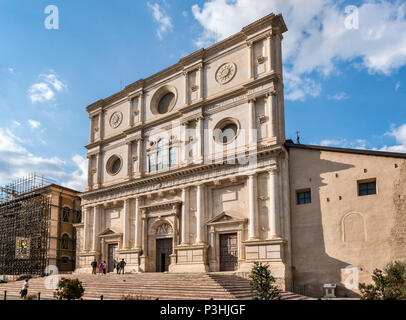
119, 266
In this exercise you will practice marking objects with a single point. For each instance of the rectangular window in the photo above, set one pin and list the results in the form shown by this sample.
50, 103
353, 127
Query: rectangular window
303, 196
366, 188
173, 156
152, 162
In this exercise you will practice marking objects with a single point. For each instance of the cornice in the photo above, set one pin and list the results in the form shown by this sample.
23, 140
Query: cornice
263, 151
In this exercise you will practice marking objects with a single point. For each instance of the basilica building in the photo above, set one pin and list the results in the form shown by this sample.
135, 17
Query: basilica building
190, 171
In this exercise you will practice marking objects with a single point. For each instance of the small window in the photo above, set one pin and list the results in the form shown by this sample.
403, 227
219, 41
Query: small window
366, 188
65, 241
66, 214
303, 196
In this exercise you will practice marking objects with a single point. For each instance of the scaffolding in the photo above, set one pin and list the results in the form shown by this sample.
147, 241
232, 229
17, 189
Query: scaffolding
24, 224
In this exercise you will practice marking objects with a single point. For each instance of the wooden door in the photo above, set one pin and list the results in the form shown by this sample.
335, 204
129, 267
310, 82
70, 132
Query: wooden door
228, 252
163, 252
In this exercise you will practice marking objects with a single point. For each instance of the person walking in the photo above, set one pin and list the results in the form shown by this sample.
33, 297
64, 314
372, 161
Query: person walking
122, 265
101, 268
104, 267
118, 267
94, 266
24, 289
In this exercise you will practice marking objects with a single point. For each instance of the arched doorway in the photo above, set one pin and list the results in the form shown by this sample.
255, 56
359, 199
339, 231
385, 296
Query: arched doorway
164, 246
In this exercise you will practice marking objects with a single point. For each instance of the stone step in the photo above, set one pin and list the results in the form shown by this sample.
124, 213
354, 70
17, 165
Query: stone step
164, 286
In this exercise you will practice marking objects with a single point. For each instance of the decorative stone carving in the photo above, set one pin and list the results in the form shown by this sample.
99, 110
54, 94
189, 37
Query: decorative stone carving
226, 72
194, 88
164, 230
116, 119
260, 59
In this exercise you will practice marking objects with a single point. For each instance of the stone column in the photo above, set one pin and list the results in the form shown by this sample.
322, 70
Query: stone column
98, 169
85, 228
199, 213
201, 81
131, 111
253, 207
141, 107
251, 74
185, 216
273, 114
186, 75
89, 173
137, 224
126, 224
200, 139
268, 48
184, 128
213, 249
130, 159
139, 157
95, 228
252, 134
273, 204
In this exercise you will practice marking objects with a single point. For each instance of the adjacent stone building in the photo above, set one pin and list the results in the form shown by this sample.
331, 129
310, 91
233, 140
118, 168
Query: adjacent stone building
189, 171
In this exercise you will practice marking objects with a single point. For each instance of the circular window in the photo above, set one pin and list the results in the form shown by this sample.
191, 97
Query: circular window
114, 165
226, 131
165, 102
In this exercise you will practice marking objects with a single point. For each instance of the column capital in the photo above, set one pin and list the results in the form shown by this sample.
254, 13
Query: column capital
273, 170
251, 100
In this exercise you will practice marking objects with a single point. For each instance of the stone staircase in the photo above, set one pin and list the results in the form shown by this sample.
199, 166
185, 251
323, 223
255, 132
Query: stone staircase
165, 286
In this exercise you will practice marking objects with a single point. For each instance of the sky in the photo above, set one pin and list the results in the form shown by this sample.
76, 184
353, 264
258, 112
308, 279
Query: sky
344, 70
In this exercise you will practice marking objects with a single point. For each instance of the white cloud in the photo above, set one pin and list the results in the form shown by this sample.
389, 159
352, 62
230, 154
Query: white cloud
339, 96
34, 124
17, 161
317, 39
11, 70
297, 88
398, 85
163, 20
45, 90
344, 143
399, 133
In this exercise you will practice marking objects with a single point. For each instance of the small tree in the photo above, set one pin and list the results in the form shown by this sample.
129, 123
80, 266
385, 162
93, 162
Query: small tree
389, 284
69, 289
262, 283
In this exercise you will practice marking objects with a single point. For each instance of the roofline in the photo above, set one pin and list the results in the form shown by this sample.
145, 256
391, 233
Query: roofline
347, 150
271, 19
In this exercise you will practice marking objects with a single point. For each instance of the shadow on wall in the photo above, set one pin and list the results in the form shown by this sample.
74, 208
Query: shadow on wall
312, 267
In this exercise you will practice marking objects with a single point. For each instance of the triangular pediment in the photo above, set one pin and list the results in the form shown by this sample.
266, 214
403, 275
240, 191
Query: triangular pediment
107, 232
225, 218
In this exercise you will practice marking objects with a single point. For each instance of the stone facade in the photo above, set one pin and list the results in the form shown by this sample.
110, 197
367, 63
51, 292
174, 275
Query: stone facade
189, 171
155, 159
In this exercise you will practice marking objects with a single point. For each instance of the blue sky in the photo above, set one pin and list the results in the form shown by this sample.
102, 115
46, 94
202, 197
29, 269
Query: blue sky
343, 87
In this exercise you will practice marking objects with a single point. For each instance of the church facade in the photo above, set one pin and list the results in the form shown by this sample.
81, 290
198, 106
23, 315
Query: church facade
189, 171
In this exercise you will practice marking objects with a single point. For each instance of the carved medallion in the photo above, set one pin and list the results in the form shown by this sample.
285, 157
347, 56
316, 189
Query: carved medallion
116, 119
226, 72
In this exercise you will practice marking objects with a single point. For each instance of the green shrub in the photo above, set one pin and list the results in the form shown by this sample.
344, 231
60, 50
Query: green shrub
389, 284
69, 289
262, 283
30, 297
